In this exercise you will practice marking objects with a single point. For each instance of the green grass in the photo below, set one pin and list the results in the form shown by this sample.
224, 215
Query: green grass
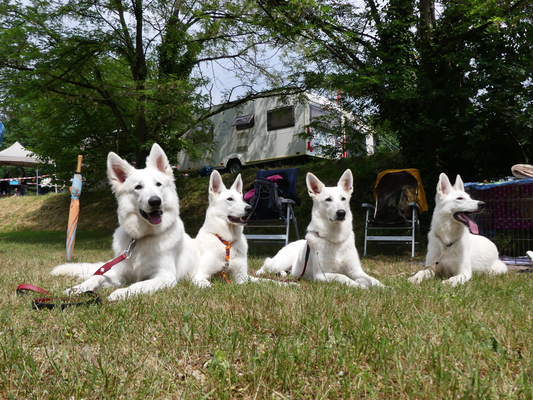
261, 340
315, 341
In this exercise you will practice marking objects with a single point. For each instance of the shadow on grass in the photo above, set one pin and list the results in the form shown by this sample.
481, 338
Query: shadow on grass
86, 240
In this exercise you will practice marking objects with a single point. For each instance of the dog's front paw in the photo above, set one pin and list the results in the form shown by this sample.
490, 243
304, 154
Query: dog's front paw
417, 278
73, 291
78, 289
201, 283
375, 282
455, 280
119, 294
260, 271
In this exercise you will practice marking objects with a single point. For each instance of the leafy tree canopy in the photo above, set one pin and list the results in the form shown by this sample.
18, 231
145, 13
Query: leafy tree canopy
453, 80
89, 77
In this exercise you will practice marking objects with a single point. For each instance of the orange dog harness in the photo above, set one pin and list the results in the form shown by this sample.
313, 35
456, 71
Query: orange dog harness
226, 264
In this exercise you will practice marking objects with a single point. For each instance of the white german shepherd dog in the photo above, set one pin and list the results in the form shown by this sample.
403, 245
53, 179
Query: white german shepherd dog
454, 252
220, 241
332, 255
162, 254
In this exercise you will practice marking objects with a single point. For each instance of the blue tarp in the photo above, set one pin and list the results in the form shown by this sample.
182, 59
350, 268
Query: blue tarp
490, 185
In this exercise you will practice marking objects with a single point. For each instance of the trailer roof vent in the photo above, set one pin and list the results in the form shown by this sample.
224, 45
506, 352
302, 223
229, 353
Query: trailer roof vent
243, 122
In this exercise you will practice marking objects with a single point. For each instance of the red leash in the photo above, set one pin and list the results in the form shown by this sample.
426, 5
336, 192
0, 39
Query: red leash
73, 301
82, 299
108, 265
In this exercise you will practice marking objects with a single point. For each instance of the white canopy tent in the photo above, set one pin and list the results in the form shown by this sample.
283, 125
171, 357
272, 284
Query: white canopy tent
17, 155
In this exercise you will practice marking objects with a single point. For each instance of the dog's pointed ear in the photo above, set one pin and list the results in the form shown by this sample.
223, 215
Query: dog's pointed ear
158, 159
459, 185
237, 185
118, 170
314, 186
215, 184
444, 186
346, 181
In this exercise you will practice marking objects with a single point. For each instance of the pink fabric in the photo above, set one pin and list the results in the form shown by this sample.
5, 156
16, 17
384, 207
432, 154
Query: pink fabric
274, 178
248, 195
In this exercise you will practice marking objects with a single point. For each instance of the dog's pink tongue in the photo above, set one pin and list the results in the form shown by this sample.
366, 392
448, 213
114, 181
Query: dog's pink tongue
472, 226
155, 217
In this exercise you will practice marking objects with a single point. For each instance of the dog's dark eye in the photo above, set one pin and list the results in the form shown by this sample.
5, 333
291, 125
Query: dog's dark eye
328, 199
460, 198
138, 187
229, 199
343, 198
158, 184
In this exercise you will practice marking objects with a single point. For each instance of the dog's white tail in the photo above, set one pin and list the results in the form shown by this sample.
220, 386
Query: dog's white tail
498, 267
82, 270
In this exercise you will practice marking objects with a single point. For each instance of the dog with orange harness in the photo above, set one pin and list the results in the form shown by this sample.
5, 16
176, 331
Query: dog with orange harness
221, 243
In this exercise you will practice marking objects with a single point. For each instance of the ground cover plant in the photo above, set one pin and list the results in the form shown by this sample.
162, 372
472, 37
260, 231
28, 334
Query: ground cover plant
323, 341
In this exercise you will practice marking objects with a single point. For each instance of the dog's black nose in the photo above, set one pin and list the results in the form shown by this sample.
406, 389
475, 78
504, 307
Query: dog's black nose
154, 202
481, 205
341, 214
248, 209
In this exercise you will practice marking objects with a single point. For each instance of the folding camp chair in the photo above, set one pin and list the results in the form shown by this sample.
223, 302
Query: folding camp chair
273, 206
400, 198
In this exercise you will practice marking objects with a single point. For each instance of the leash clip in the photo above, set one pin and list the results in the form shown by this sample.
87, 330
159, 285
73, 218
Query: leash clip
130, 248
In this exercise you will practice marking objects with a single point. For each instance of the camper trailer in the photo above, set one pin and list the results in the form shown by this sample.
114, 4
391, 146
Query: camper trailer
265, 130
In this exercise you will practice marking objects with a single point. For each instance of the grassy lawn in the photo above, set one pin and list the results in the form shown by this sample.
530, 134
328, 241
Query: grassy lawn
257, 341
261, 340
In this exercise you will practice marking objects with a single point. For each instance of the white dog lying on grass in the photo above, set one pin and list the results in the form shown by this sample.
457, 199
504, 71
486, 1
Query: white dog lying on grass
148, 214
328, 252
455, 250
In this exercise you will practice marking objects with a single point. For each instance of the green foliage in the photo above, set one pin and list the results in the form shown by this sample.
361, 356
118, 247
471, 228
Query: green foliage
93, 77
447, 82
451, 80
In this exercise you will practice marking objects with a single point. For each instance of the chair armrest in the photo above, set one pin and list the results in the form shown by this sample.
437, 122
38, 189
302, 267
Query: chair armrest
287, 201
368, 205
413, 204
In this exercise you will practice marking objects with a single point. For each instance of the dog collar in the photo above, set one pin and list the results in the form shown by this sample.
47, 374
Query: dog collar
444, 243
226, 264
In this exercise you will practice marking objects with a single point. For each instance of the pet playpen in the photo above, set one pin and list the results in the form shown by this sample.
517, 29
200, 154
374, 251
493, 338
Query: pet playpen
508, 217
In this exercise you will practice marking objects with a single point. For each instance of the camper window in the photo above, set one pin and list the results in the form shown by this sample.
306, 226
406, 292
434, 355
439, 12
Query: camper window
279, 118
243, 122
317, 111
